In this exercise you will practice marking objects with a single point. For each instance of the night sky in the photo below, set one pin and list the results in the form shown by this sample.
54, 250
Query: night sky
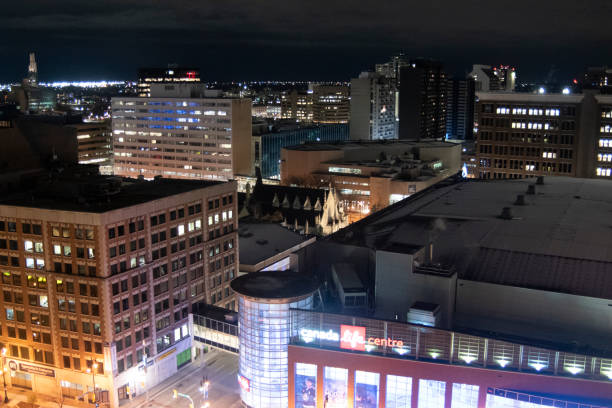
299, 40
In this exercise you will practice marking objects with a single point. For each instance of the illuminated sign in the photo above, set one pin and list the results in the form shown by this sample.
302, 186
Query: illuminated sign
310, 335
352, 337
244, 382
32, 369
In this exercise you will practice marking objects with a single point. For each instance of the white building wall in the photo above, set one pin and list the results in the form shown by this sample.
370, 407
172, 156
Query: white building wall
398, 287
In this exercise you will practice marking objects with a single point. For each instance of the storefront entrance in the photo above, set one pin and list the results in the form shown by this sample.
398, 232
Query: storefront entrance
22, 380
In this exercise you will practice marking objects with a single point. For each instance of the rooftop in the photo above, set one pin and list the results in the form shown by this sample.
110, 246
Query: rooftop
261, 241
84, 191
275, 285
559, 241
367, 144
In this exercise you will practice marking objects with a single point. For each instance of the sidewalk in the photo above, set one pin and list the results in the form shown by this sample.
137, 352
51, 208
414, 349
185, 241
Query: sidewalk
18, 397
140, 401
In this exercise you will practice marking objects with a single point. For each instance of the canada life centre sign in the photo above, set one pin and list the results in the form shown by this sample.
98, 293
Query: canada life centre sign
350, 338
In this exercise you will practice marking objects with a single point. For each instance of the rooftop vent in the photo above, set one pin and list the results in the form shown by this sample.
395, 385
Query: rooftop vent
531, 189
540, 180
520, 200
506, 213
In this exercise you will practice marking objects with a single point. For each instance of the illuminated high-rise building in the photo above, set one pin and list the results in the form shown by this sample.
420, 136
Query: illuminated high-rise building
182, 131
524, 135
422, 100
460, 101
373, 107
99, 276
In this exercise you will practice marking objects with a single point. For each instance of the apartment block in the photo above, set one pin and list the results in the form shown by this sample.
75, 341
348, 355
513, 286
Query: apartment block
181, 132
100, 274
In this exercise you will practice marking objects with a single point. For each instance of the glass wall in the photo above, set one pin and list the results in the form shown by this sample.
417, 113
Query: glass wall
264, 336
431, 394
366, 389
399, 392
464, 396
335, 387
272, 143
305, 385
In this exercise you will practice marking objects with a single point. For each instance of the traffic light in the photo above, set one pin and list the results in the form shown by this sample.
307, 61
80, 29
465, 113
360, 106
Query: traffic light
175, 393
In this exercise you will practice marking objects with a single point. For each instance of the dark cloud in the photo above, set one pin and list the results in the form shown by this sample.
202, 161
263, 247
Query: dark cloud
298, 39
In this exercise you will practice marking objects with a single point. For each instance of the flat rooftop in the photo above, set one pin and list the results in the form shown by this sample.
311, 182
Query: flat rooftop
261, 241
94, 193
275, 285
367, 144
559, 241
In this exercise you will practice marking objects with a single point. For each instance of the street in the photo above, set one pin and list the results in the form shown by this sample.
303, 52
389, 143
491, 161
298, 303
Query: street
221, 369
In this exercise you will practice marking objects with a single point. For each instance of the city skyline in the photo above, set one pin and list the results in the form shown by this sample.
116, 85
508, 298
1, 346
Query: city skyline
288, 41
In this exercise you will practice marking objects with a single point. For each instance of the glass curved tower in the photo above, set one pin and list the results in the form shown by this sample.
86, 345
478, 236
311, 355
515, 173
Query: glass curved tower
264, 300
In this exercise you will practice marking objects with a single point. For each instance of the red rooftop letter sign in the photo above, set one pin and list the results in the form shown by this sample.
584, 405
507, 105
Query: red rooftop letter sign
352, 337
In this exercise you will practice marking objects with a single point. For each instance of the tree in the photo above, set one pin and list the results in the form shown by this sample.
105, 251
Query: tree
32, 399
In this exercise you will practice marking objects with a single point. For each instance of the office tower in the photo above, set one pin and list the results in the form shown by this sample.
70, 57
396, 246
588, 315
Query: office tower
330, 103
297, 105
488, 79
100, 274
422, 100
373, 107
172, 74
180, 132
460, 109
525, 135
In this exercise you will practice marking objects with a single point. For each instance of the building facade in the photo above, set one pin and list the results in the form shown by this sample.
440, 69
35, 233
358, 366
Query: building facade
94, 143
493, 79
264, 303
370, 175
182, 137
346, 361
460, 102
422, 100
267, 147
331, 103
524, 135
373, 107
100, 288
172, 74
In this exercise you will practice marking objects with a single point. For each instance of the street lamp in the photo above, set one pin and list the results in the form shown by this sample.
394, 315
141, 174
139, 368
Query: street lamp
93, 368
6, 399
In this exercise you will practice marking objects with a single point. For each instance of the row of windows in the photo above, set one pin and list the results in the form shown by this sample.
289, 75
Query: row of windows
140, 316
26, 228
124, 304
79, 233
120, 229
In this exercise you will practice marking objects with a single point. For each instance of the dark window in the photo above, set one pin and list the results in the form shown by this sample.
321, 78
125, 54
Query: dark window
120, 230
111, 233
